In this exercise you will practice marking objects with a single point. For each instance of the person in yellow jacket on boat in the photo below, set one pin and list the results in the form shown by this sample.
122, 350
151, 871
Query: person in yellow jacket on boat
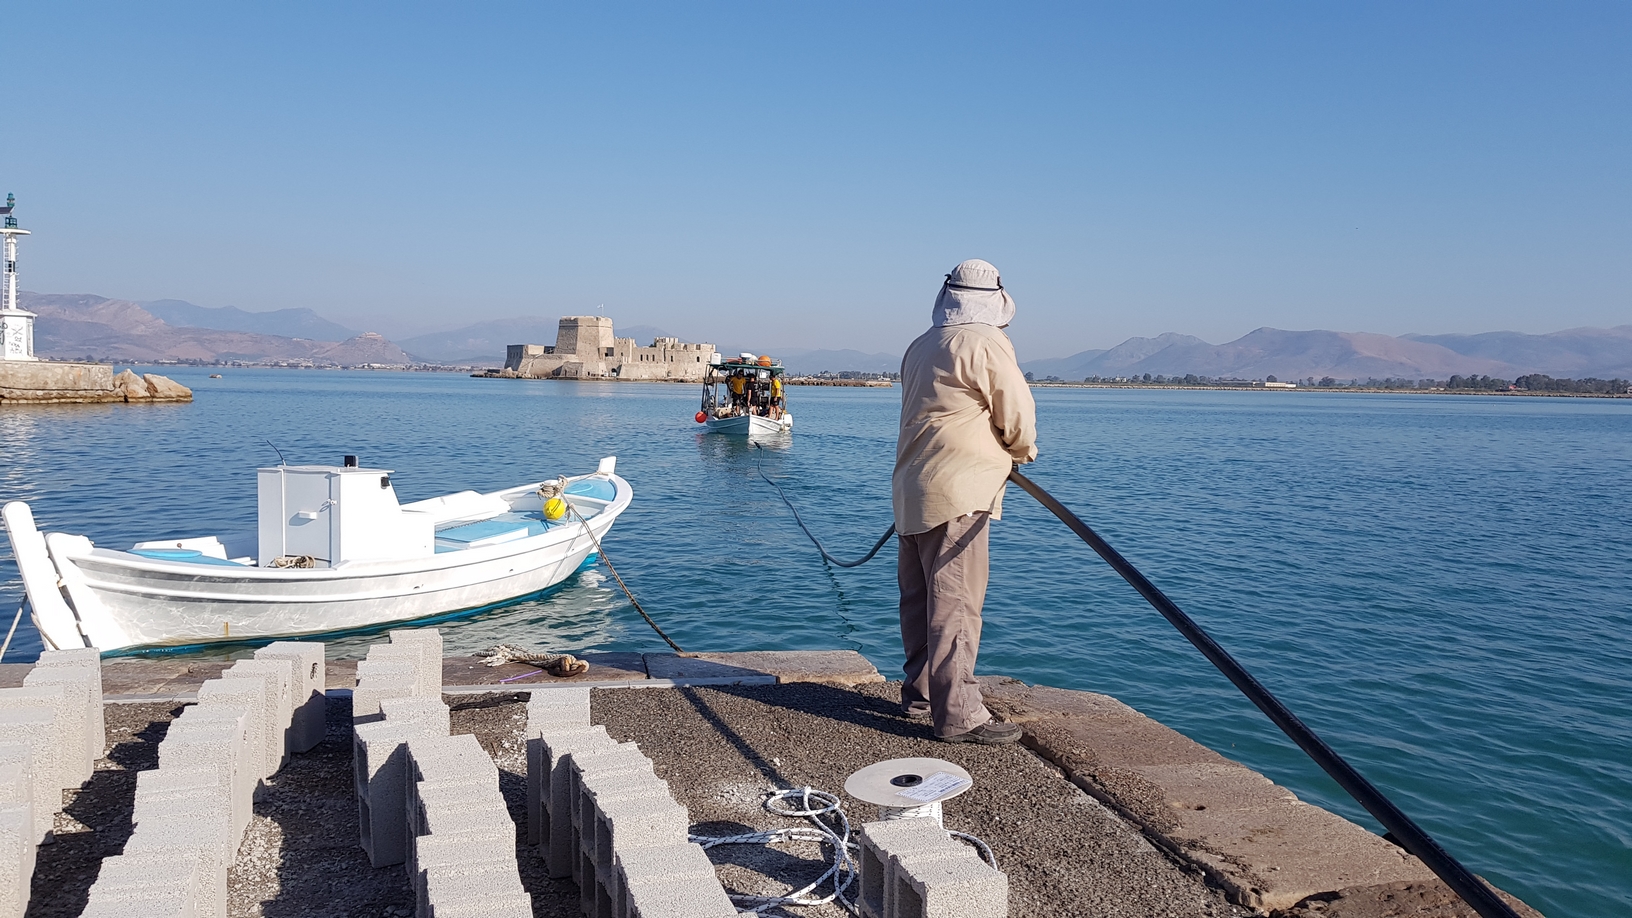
776, 397
738, 385
967, 417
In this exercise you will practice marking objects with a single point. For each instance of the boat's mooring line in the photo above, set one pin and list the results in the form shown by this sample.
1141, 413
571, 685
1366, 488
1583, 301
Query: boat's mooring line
759, 467
608, 561
1410, 837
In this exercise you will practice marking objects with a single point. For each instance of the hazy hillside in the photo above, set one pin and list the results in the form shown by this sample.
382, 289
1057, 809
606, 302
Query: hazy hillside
1577, 353
286, 323
1110, 362
81, 325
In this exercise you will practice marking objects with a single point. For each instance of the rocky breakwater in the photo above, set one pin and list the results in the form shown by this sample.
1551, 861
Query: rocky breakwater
50, 382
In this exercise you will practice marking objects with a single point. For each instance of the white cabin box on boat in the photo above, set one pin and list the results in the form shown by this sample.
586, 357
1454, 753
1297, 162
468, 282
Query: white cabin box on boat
338, 514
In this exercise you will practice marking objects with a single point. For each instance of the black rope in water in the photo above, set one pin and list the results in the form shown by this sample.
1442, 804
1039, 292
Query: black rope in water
759, 467
608, 562
1411, 837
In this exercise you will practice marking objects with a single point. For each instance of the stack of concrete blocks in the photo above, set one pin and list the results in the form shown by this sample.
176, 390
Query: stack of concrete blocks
51, 734
307, 699
398, 696
600, 815
409, 666
191, 812
912, 868
462, 843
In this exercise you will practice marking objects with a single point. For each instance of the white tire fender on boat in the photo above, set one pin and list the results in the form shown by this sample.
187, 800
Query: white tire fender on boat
52, 616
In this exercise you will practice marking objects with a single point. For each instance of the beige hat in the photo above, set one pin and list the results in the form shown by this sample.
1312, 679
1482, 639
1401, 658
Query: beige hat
973, 294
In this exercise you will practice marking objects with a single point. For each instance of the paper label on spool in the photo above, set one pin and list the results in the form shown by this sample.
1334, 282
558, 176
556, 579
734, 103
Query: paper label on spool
935, 786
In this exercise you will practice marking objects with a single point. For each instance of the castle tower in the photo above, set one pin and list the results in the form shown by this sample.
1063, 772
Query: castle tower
16, 325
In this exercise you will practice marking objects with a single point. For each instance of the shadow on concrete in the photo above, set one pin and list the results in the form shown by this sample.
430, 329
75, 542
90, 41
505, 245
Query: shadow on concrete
101, 808
308, 818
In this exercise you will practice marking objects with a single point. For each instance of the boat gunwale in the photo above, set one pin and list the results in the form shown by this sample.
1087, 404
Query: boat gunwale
190, 572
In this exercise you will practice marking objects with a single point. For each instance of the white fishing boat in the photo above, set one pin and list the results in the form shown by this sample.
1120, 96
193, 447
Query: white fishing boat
744, 396
333, 551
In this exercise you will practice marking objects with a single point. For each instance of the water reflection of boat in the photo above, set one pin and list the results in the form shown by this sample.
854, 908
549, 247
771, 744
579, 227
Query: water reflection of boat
743, 396
333, 551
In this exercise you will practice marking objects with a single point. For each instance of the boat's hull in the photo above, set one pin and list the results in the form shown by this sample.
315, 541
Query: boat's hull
122, 602
751, 426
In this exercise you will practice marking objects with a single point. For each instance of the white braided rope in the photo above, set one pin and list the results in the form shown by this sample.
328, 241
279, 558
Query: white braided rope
835, 835
812, 805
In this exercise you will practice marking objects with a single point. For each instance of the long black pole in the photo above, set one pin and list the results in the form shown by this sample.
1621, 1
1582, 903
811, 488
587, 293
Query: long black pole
1410, 836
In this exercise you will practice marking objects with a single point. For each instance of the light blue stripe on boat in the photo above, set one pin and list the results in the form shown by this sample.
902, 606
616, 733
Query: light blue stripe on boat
486, 529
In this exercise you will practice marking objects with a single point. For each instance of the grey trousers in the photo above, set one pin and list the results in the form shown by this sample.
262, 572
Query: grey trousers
943, 574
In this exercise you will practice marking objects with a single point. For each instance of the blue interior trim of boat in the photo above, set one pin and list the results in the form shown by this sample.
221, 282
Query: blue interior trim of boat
486, 529
598, 488
182, 554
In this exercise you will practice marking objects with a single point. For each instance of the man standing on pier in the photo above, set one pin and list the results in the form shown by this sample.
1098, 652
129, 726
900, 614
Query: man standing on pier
967, 417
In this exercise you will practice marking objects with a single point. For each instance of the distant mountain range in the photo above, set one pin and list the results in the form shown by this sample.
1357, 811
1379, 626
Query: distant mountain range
286, 323
1580, 352
80, 325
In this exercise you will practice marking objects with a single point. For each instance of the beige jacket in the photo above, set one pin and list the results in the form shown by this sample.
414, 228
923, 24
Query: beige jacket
966, 417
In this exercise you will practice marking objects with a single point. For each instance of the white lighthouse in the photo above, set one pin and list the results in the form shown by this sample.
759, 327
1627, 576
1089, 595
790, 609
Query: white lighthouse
16, 325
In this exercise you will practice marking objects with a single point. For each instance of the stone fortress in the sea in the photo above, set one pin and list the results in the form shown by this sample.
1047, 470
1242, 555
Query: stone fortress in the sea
586, 349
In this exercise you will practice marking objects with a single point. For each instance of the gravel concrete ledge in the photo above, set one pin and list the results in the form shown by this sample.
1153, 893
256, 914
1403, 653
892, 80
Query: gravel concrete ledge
1265, 847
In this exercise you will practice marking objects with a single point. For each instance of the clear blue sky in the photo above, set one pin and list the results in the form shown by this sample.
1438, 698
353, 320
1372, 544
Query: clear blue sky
812, 170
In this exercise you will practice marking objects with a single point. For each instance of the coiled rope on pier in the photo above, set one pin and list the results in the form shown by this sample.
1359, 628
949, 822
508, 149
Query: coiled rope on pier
829, 827
759, 467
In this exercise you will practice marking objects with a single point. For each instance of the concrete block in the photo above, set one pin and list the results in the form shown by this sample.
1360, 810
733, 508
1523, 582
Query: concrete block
656, 900
62, 767
682, 866
308, 684
29, 738
82, 665
470, 853
219, 743
183, 834
208, 808
280, 704
377, 679
250, 694
606, 760
17, 845
164, 884
447, 888
949, 888
428, 642
630, 823
511, 906
545, 750
598, 790
558, 708
429, 713
453, 796
881, 843
436, 758
380, 772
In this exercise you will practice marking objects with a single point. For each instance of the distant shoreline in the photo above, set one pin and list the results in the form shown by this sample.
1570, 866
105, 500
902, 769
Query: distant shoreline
1527, 393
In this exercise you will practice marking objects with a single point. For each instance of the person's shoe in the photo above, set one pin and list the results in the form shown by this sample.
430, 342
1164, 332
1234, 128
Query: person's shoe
918, 711
991, 733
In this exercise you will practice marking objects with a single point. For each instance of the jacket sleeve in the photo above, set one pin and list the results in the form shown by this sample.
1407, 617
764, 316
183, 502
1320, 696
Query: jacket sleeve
1008, 397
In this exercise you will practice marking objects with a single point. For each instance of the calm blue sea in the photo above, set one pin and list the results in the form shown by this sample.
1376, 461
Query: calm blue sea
1442, 587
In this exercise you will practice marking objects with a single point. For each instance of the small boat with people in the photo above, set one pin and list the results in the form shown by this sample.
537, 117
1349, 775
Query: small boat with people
333, 551
744, 396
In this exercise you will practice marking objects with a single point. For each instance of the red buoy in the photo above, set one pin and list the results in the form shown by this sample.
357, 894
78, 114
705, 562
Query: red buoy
701, 417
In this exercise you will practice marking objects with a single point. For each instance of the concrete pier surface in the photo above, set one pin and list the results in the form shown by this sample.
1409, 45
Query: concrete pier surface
1101, 811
